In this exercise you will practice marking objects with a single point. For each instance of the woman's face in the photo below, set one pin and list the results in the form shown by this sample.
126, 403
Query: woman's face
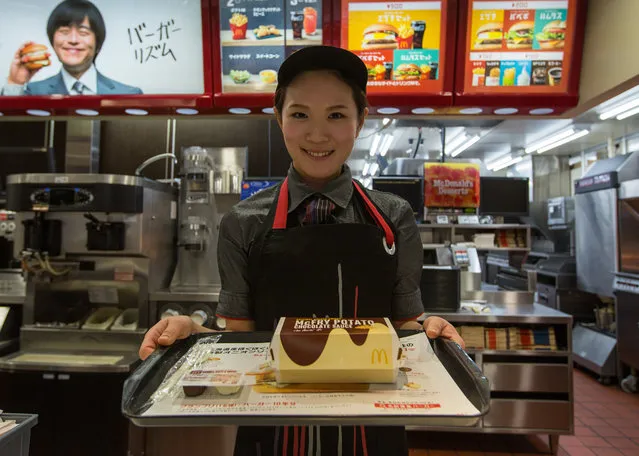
319, 121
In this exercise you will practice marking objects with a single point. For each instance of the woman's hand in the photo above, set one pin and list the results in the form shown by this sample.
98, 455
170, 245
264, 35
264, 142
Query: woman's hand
438, 327
165, 332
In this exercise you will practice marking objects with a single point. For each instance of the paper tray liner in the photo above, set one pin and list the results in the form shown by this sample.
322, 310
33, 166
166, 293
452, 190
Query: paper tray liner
143, 383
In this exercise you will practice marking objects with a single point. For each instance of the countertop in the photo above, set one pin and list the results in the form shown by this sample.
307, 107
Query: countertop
508, 313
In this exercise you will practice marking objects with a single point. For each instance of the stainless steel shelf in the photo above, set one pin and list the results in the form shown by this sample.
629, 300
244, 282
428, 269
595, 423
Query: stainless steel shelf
556, 353
504, 226
210, 295
483, 249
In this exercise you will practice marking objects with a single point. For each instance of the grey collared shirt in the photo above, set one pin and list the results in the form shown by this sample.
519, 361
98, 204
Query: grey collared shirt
240, 226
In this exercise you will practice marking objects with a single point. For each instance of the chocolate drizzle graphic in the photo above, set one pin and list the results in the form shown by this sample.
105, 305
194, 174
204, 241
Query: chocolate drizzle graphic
304, 339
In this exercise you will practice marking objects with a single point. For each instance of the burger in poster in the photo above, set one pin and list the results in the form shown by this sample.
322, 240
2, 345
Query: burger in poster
380, 36
553, 35
407, 72
35, 56
520, 35
489, 36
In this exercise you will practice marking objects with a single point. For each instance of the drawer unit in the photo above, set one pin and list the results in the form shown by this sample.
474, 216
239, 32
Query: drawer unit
528, 378
529, 414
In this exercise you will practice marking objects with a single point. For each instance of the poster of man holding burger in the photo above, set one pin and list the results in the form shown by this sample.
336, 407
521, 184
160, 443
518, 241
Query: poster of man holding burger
101, 47
76, 31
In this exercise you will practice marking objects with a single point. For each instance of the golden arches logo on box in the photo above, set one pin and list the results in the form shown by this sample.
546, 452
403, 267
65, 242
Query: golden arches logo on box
380, 353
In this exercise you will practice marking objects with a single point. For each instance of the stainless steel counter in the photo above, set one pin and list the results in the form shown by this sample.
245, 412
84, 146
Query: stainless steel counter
531, 390
510, 313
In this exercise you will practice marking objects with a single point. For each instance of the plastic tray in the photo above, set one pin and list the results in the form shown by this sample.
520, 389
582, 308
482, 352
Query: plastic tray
141, 385
16, 441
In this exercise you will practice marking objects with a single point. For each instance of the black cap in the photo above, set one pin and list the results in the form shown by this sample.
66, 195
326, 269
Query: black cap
349, 65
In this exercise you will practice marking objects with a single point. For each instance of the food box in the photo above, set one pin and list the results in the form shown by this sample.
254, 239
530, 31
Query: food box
335, 350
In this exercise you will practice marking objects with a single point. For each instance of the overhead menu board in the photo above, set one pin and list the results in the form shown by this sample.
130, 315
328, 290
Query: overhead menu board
257, 35
101, 48
519, 46
401, 43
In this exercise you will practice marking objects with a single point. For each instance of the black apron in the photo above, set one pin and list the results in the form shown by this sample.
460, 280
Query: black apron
331, 270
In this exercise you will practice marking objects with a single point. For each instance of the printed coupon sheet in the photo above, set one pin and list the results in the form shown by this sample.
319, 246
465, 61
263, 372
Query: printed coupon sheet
237, 379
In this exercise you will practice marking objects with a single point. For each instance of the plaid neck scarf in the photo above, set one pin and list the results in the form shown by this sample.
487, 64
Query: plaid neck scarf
318, 210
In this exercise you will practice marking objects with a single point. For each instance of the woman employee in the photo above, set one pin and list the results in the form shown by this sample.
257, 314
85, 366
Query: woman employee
317, 245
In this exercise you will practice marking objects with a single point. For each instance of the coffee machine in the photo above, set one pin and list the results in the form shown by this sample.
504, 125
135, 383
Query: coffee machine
92, 248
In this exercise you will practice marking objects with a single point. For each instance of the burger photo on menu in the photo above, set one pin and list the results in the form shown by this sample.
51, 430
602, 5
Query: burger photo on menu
407, 72
380, 36
376, 72
520, 35
489, 36
553, 35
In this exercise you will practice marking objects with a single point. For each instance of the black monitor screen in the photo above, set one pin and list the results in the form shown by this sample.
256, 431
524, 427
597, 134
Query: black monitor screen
409, 188
504, 196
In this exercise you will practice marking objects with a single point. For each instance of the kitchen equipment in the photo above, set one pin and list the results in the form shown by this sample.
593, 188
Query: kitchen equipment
467, 260
205, 173
7, 230
597, 221
440, 288
595, 350
557, 288
409, 188
93, 246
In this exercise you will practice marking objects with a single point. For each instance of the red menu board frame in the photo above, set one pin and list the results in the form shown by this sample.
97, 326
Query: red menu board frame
222, 101
106, 105
402, 100
559, 99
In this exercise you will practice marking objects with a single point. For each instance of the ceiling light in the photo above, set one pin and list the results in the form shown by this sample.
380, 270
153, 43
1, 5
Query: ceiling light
136, 112
471, 111
508, 163
423, 111
376, 140
268, 111
456, 141
388, 140
240, 111
86, 112
500, 161
542, 111
374, 169
187, 111
367, 167
577, 135
388, 111
522, 167
552, 139
506, 111
627, 114
620, 109
38, 112
465, 146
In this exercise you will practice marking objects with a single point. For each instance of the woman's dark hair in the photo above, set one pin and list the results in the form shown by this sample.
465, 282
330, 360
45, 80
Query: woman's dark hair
73, 12
358, 95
